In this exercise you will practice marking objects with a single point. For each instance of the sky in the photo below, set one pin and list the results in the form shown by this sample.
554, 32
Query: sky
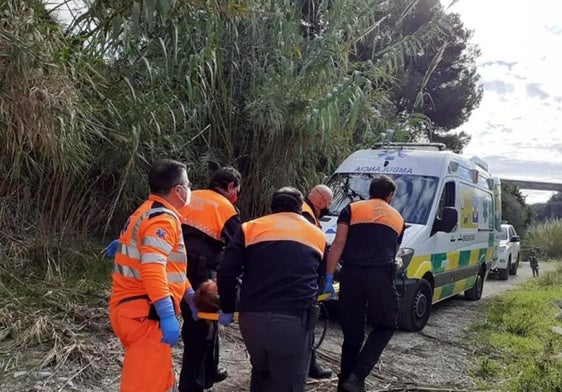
517, 128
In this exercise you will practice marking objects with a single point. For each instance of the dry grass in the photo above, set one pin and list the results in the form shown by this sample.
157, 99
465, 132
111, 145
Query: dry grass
52, 333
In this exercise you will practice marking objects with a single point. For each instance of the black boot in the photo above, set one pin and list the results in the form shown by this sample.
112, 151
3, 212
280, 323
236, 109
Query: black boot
221, 375
340, 384
353, 384
316, 371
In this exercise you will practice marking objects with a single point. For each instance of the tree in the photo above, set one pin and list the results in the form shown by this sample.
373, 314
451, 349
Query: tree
241, 85
440, 82
277, 88
49, 134
550, 210
514, 209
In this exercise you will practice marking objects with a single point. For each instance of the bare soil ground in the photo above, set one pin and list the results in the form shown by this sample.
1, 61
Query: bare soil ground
89, 360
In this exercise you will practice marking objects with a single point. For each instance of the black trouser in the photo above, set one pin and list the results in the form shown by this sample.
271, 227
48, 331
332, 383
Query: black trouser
200, 354
366, 293
279, 345
312, 356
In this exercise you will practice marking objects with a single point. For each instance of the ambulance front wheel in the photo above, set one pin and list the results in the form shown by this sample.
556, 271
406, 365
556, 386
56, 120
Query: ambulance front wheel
415, 312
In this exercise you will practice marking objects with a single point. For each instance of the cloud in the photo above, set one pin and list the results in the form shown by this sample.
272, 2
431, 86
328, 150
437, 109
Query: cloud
554, 29
507, 64
521, 169
499, 86
534, 91
516, 128
498, 127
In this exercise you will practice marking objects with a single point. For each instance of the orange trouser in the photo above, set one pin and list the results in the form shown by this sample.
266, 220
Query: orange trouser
147, 366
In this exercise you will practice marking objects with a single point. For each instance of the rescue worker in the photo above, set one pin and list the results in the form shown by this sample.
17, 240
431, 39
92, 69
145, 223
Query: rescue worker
282, 259
209, 223
316, 203
368, 235
314, 207
533, 261
149, 280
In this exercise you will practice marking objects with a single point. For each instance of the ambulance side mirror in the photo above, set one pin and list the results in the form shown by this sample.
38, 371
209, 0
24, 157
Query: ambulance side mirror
448, 222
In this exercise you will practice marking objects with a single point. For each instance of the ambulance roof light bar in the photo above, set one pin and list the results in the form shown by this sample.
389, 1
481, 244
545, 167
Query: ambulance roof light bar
410, 146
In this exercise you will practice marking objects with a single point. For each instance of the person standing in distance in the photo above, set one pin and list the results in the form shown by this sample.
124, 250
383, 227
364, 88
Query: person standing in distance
209, 223
368, 235
282, 259
313, 208
149, 280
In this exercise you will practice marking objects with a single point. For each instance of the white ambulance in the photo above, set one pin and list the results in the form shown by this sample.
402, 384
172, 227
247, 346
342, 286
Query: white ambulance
452, 209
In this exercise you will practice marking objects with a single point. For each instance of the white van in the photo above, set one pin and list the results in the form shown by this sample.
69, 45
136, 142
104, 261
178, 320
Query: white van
507, 261
452, 209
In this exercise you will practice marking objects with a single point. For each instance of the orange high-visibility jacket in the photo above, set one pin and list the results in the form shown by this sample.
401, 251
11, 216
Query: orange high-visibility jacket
151, 258
281, 256
375, 231
208, 212
308, 213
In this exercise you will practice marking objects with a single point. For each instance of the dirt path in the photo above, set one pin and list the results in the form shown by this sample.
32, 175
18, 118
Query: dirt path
434, 359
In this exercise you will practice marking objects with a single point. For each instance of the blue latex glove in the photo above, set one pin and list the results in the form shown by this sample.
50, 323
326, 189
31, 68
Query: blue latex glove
226, 318
168, 321
111, 249
329, 288
189, 297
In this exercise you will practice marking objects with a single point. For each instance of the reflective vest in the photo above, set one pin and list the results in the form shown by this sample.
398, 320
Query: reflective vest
375, 230
150, 258
284, 226
307, 209
208, 212
280, 258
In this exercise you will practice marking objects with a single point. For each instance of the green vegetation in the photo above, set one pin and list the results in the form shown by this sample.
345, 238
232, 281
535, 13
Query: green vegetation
545, 236
550, 210
514, 209
282, 90
517, 348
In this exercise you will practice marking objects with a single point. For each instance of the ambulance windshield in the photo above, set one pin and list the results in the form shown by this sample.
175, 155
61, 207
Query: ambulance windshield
413, 198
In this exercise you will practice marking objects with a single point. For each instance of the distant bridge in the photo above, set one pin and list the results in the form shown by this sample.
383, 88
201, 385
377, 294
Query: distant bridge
537, 185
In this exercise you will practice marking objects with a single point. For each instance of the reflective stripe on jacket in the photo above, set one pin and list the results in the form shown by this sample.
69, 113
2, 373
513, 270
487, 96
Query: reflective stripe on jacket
151, 258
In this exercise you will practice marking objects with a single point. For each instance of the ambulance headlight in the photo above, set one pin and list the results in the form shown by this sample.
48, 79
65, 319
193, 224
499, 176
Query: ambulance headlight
403, 258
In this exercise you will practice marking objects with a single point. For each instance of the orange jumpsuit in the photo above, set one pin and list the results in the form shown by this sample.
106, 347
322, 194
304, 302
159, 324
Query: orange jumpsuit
150, 264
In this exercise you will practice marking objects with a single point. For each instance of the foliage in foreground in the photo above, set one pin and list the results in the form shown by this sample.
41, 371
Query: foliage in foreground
517, 348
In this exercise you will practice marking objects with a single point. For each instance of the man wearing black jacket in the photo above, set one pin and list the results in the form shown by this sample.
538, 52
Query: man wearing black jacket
282, 259
209, 223
368, 235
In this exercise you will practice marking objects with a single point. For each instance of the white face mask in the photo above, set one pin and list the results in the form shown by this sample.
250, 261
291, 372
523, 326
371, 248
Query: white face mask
187, 189
187, 197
